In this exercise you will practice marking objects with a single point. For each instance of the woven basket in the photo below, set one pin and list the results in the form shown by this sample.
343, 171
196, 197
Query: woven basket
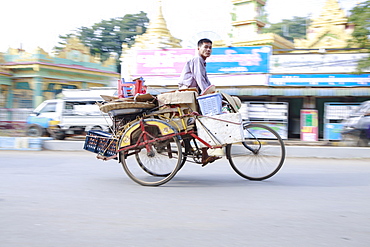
125, 105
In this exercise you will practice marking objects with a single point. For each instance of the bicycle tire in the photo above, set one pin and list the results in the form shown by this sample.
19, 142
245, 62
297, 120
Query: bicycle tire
260, 156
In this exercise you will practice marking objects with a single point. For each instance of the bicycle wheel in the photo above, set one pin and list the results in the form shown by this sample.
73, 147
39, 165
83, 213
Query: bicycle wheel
142, 158
155, 158
260, 156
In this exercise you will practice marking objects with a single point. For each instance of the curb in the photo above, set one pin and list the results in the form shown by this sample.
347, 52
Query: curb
327, 152
23, 143
64, 145
293, 151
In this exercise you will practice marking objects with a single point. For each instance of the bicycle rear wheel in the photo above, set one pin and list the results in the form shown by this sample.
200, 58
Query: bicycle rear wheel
260, 156
156, 159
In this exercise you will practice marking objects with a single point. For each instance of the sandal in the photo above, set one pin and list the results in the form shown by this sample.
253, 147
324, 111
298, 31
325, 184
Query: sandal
210, 159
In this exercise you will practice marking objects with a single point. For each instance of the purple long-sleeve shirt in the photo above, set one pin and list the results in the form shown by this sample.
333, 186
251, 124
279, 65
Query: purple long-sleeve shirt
194, 74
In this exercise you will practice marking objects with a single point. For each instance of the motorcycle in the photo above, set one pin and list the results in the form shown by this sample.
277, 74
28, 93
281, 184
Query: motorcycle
356, 131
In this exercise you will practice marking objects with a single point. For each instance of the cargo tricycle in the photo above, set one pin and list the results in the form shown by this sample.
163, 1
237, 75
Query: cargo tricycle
153, 137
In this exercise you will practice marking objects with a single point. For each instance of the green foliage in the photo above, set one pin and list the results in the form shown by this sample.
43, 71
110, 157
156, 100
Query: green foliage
107, 36
289, 28
360, 17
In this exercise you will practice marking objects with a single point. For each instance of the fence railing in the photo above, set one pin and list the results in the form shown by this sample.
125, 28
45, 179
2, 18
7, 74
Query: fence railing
14, 114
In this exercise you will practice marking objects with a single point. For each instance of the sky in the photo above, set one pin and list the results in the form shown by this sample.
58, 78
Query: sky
38, 23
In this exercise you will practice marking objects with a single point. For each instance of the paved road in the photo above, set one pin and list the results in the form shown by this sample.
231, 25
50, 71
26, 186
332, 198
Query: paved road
71, 199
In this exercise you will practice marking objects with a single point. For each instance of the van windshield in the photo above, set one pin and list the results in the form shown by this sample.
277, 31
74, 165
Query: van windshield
49, 107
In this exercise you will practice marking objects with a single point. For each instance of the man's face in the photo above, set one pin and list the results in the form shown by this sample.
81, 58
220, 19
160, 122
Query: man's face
205, 50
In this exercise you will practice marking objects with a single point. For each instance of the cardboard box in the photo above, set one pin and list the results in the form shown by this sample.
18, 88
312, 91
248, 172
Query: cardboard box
187, 98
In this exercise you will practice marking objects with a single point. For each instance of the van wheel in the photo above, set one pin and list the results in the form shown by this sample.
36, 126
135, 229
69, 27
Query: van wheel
34, 130
59, 135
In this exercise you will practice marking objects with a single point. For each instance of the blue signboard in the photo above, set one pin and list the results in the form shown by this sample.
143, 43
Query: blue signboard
239, 60
320, 80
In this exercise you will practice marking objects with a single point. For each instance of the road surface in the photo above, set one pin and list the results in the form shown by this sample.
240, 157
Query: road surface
72, 199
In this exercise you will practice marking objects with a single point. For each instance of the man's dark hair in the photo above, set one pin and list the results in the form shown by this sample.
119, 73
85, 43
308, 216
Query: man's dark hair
202, 41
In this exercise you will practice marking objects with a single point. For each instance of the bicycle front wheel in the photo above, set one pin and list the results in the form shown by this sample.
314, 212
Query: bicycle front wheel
260, 155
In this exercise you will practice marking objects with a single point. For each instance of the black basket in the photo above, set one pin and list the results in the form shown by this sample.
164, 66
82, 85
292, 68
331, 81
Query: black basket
100, 142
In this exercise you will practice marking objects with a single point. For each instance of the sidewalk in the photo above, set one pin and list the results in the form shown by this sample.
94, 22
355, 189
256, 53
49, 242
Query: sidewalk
294, 148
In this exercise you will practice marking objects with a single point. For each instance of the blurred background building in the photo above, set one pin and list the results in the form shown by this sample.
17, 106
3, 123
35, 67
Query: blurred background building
311, 73
27, 79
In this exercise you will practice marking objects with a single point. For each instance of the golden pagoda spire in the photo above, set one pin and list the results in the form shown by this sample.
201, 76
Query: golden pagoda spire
329, 30
157, 34
331, 13
158, 25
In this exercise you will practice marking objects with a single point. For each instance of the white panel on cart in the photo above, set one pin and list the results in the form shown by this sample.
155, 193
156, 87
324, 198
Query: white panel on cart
227, 131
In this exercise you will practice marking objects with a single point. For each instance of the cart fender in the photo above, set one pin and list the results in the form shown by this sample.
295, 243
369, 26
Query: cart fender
163, 127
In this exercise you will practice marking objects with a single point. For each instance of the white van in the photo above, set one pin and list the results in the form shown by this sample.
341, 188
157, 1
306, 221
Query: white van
70, 116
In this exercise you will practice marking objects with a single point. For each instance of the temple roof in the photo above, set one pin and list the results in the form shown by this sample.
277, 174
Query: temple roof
276, 41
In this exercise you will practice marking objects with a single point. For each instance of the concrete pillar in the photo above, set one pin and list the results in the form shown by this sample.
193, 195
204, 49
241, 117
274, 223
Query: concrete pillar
84, 85
9, 103
37, 91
